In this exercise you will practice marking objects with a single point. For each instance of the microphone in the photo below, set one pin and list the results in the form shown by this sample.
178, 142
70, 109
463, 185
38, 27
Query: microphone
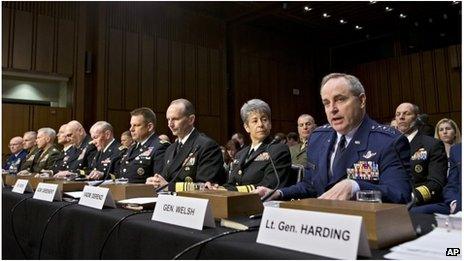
274, 141
178, 171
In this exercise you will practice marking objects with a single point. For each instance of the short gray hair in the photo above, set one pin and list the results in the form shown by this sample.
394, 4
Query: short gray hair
49, 132
102, 126
254, 105
356, 88
188, 106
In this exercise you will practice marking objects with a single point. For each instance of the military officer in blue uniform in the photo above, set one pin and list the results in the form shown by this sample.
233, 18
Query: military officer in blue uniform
452, 191
146, 156
352, 152
428, 157
108, 151
194, 157
17, 156
68, 156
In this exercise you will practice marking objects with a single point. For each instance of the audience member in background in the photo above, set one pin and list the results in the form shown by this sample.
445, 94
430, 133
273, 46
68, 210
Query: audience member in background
428, 156
352, 153
165, 138
146, 155
252, 166
108, 151
68, 156
282, 137
423, 125
227, 159
17, 156
447, 131
305, 125
46, 156
451, 202
292, 139
232, 147
393, 124
126, 140
240, 138
194, 157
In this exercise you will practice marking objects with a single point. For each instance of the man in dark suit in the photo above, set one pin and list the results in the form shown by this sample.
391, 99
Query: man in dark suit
108, 151
306, 126
194, 157
451, 192
252, 166
428, 157
352, 153
17, 156
47, 153
145, 156
68, 156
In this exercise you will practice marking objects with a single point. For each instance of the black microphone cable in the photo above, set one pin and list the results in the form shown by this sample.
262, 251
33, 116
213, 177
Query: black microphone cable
266, 197
13, 209
178, 171
48, 222
205, 241
115, 226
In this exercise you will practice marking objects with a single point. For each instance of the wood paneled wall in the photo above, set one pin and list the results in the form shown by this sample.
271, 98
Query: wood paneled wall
269, 66
430, 79
150, 54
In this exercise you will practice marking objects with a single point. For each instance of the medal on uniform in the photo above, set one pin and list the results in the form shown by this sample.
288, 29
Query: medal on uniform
140, 171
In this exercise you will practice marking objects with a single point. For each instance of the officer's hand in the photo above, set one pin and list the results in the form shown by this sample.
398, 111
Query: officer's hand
341, 191
95, 174
263, 191
212, 186
23, 173
62, 174
157, 181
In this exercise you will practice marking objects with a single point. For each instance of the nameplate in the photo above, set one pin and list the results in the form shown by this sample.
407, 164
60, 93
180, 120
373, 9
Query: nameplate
21, 186
183, 211
96, 197
47, 192
325, 234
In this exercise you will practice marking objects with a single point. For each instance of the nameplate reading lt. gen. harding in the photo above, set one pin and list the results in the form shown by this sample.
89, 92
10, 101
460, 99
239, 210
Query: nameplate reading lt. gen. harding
330, 235
183, 211
96, 197
47, 192
21, 186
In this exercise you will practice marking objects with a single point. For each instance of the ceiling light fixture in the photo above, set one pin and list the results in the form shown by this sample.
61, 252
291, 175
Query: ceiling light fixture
388, 9
342, 21
307, 8
357, 27
372, 2
456, 2
325, 15
402, 16
445, 16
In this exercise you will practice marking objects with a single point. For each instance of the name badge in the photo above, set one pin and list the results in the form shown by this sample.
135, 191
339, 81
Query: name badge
21, 186
326, 234
183, 211
96, 197
47, 192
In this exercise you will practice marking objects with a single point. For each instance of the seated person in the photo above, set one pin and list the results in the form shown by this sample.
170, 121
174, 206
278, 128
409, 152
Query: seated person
352, 153
46, 156
17, 156
194, 157
306, 126
451, 192
252, 165
69, 154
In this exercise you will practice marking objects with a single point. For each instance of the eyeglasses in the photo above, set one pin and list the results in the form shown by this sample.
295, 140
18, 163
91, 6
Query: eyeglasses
15, 144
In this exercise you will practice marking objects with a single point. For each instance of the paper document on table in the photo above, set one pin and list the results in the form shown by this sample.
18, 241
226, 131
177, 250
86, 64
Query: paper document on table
99, 182
74, 194
433, 245
140, 201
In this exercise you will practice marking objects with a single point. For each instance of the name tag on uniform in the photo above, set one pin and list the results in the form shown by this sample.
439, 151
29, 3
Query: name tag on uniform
326, 234
96, 197
183, 211
21, 186
47, 192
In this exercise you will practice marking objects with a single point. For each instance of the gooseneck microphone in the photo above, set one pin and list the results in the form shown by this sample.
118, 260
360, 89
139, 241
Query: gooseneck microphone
274, 141
179, 170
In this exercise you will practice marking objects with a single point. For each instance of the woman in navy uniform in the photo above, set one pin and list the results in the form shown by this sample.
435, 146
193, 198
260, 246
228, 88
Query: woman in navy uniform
252, 165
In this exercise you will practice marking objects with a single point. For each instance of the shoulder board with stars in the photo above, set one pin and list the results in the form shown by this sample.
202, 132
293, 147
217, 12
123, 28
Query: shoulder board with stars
164, 142
383, 129
325, 127
121, 147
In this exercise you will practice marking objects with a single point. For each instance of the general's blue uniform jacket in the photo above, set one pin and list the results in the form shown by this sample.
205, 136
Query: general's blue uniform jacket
15, 161
373, 144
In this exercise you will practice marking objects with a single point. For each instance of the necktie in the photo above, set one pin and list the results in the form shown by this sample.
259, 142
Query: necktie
250, 153
340, 148
178, 147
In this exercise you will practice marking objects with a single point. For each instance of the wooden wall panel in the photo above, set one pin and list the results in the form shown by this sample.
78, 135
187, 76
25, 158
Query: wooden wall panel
162, 75
50, 117
211, 124
442, 82
22, 40
45, 40
15, 121
148, 71
177, 75
115, 70
203, 88
454, 62
65, 48
190, 69
386, 110
216, 69
131, 79
6, 26
429, 85
417, 81
396, 89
